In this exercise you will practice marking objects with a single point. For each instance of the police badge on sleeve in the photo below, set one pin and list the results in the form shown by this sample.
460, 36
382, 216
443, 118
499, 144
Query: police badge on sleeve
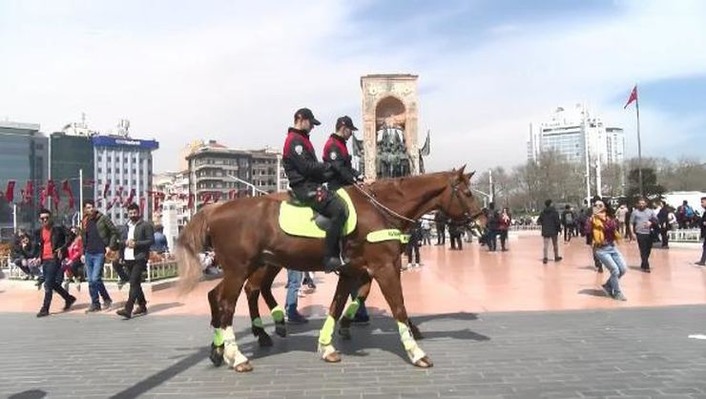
333, 155
299, 149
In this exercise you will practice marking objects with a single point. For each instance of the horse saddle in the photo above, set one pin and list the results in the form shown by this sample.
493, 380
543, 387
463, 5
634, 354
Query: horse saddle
298, 219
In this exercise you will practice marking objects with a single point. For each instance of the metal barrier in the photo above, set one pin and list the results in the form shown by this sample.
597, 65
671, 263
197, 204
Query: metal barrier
155, 271
685, 235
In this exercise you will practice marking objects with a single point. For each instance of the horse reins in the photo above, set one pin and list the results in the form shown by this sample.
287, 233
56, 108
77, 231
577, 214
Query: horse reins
377, 204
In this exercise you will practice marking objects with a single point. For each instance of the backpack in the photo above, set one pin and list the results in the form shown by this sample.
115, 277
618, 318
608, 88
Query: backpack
569, 218
689, 212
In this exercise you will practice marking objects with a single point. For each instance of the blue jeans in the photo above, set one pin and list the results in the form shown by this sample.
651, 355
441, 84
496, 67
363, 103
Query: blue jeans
51, 269
611, 258
294, 283
94, 275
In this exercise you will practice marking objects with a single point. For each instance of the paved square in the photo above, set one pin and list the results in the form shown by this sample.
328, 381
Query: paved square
628, 353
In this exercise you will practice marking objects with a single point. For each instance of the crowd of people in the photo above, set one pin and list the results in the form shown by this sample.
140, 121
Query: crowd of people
57, 256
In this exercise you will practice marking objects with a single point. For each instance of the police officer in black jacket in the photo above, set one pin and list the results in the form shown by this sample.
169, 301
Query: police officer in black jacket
306, 174
336, 155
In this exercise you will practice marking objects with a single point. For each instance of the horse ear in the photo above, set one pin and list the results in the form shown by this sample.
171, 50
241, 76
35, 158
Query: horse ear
460, 172
468, 176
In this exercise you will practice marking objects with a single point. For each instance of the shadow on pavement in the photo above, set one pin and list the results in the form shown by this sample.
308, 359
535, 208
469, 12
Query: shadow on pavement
31, 394
592, 292
158, 379
163, 306
382, 333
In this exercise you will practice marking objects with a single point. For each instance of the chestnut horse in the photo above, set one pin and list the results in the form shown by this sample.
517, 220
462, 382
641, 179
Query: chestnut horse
246, 236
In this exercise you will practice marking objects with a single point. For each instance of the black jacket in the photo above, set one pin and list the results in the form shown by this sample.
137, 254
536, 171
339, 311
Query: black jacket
58, 241
144, 238
300, 163
493, 219
703, 225
549, 219
29, 252
336, 155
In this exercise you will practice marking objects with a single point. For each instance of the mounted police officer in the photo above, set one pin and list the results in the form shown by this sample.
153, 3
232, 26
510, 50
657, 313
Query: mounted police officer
306, 174
336, 155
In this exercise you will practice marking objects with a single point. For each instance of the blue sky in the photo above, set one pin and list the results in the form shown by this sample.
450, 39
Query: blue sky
236, 70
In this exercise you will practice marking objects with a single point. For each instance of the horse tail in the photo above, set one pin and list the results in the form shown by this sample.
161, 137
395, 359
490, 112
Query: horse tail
190, 244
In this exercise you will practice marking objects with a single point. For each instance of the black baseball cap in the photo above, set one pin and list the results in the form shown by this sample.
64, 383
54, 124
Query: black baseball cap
345, 121
305, 113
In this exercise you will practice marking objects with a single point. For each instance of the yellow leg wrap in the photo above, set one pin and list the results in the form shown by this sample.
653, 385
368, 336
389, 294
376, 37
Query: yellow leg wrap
218, 337
257, 322
326, 333
277, 314
352, 309
231, 353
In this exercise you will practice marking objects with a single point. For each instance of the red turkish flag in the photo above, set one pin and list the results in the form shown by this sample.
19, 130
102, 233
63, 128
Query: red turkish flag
65, 187
43, 197
131, 197
143, 201
190, 205
28, 195
10, 191
51, 190
633, 97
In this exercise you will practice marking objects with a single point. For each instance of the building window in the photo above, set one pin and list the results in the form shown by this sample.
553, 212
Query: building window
109, 170
100, 158
100, 170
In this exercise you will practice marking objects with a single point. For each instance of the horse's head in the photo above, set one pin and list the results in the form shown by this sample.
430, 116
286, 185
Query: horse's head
457, 200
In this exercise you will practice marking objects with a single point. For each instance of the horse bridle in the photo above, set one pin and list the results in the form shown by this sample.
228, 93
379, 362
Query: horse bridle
455, 194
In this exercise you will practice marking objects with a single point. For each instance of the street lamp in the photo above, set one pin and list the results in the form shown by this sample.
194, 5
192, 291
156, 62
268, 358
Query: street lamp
252, 186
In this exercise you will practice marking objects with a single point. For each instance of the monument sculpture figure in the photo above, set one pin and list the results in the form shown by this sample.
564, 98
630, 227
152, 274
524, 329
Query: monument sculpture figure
389, 144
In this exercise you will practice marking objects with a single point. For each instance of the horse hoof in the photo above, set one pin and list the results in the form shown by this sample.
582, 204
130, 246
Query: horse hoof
245, 367
345, 333
216, 355
264, 340
424, 363
333, 357
281, 330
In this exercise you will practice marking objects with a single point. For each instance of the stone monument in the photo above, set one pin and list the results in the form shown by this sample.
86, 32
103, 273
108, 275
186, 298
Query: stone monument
390, 114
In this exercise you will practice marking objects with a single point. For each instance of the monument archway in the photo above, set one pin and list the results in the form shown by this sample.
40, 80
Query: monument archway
390, 116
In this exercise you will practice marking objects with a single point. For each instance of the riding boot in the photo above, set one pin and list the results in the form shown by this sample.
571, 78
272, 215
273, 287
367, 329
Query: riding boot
332, 260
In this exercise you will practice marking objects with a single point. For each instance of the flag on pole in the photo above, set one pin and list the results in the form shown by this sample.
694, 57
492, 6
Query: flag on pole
28, 196
10, 191
65, 187
633, 97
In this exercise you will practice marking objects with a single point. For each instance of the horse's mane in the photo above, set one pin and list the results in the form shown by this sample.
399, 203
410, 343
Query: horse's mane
396, 183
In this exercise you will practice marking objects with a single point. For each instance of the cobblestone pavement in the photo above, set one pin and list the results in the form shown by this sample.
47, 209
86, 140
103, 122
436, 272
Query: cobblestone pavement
620, 353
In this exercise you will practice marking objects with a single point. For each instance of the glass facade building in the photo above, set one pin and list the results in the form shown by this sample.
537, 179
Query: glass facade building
23, 159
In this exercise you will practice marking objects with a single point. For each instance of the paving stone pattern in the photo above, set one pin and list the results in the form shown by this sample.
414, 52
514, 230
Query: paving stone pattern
626, 354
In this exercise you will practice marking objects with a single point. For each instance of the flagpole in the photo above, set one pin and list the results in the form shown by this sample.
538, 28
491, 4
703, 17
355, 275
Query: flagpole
80, 194
639, 146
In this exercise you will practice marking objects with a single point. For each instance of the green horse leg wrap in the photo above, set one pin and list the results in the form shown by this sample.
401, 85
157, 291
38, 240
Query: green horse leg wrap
257, 322
326, 333
277, 314
218, 337
352, 309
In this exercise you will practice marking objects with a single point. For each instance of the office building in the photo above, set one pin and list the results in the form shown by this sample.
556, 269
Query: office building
577, 134
123, 172
23, 159
217, 172
71, 157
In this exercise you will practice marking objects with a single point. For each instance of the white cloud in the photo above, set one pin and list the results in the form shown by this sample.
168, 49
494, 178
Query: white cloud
240, 79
